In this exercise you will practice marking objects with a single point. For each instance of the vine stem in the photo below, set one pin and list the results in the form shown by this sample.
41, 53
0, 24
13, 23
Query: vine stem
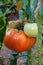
13, 58
8, 9
39, 38
37, 8
39, 41
29, 57
13, 62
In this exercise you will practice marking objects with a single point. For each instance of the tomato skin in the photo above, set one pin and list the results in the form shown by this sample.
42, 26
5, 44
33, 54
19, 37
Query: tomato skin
18, 41
32, 42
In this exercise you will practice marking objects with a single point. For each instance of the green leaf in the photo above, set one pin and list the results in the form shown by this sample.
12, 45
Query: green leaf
5, 1
3, 25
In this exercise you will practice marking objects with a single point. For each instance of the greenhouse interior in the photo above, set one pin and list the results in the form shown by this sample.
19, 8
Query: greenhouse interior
21, 32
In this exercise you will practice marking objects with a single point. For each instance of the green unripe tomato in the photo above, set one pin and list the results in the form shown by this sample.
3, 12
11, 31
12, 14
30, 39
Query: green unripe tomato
31, 29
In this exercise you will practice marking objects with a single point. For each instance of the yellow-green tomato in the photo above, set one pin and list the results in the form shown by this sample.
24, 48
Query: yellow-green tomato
31, 29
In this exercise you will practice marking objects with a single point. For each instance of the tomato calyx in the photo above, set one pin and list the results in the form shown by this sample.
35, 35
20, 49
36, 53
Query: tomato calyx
20, 25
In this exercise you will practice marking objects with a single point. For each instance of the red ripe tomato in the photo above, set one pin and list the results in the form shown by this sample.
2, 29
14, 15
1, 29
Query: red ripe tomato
18, 41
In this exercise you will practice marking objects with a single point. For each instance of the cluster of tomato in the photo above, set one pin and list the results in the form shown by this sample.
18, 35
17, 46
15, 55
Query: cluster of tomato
22, 40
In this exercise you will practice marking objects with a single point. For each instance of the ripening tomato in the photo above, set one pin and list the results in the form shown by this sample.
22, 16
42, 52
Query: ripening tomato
18, 41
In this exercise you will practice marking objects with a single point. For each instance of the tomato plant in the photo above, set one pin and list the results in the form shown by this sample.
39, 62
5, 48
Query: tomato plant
18, 41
